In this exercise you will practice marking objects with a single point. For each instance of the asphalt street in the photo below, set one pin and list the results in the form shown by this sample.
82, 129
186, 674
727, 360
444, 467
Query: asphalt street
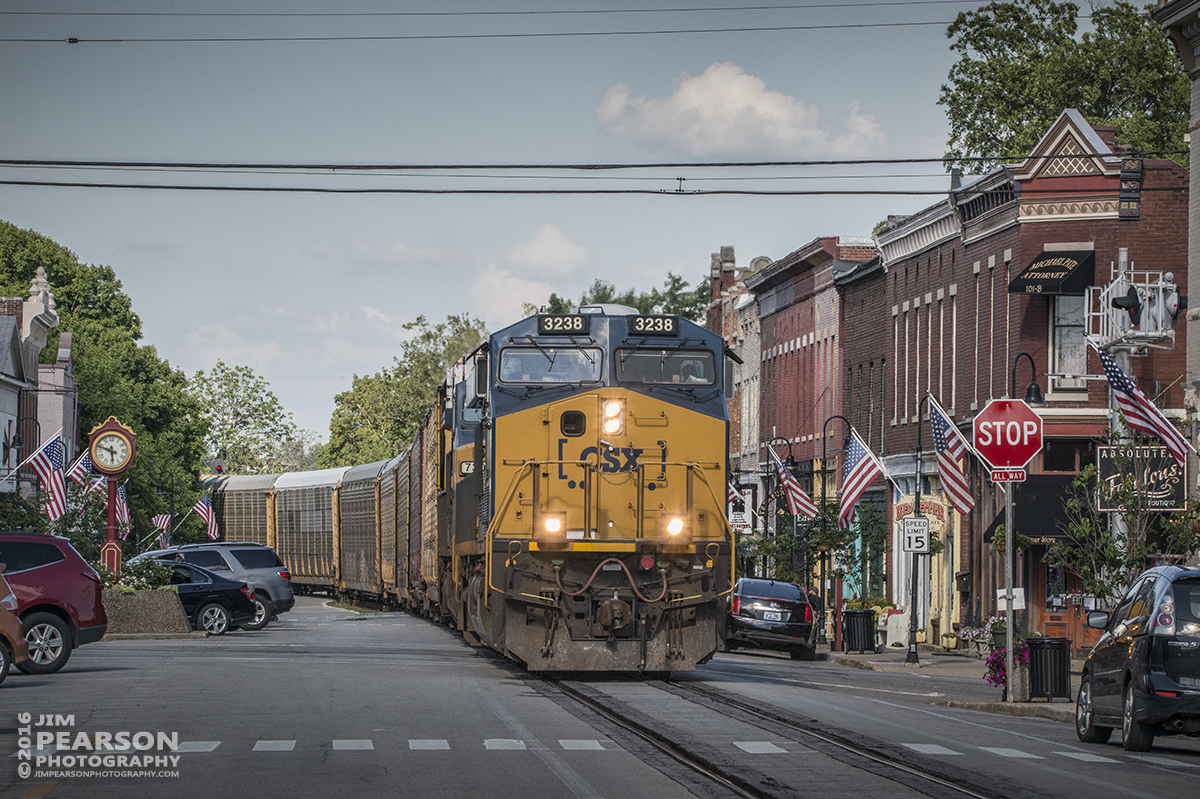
327, 700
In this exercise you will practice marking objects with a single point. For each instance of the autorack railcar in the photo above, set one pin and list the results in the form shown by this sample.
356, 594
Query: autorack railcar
563, 502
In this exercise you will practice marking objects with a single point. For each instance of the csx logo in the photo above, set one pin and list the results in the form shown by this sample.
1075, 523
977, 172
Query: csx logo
622, 459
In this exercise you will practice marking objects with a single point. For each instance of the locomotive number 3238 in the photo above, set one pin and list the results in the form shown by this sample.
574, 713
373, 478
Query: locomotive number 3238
562, 323
654, 325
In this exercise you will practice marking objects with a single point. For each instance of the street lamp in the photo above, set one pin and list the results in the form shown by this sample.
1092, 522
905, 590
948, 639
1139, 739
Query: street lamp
1033, 392
912, 656
837, 611
159, 491
789, 463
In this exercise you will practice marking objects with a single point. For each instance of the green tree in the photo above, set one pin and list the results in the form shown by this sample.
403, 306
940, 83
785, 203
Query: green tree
248, 427
1020, 65
674, 298
116, 375
379, 416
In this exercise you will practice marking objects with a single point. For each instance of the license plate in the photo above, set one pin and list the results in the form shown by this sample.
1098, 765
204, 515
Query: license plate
772, 615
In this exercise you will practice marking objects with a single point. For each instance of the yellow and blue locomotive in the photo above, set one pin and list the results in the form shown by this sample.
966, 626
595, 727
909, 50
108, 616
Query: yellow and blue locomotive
563, 503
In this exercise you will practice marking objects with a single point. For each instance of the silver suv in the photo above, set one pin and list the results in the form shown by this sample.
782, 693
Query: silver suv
256, 564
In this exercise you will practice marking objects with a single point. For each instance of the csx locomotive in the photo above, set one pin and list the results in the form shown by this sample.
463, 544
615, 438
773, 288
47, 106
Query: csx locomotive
562, 503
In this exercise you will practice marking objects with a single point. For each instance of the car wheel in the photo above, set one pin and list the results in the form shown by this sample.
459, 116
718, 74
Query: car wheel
49, 643
1085, 716
263, 613
804, 653
1136, 736
214, 619
5, 660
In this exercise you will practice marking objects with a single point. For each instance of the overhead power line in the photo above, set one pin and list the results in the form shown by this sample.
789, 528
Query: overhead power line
529, 13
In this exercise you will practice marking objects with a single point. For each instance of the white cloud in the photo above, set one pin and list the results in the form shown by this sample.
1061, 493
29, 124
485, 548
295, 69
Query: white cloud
207, 345
725, 110
375, 313
549, 253
357, 253
499, 295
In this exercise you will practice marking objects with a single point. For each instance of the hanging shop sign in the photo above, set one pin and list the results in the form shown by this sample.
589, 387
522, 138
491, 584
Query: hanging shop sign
1157, 477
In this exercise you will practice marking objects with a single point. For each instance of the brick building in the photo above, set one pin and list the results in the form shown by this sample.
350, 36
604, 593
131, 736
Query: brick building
961, 307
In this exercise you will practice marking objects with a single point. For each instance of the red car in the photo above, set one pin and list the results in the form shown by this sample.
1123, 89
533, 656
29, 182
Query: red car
58, 598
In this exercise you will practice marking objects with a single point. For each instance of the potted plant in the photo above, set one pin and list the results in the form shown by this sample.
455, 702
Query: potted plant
996, 677
973, 639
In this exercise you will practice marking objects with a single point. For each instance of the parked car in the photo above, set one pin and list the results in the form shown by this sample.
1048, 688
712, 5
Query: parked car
13, 648
213, 603
255, 564
771, 614
58, 598
1143, 675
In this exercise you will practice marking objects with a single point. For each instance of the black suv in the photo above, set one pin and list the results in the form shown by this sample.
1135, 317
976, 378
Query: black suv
1143, 675
771, 614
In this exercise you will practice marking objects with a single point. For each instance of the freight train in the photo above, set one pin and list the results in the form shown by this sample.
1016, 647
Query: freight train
562, 503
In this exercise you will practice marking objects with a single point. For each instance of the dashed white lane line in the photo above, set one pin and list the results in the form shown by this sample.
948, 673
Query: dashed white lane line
931, 749
1163, 761
274, 746
1005, 752
428, 743
759, 747
1088, 757
576, 745
197, 746
503, 743
353, 744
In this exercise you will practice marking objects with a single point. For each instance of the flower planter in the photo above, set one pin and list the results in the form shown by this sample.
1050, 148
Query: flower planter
152, 612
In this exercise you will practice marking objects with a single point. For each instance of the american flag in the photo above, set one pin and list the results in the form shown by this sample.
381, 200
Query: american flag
161, 522
950, 447
1140, 413
123, 512
48, 465
204, 507
860, 470
81, 469
733, 495
799, 503
97, 484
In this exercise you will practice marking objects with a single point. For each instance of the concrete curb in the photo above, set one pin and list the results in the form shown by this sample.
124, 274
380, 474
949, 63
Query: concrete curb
1055, 711
842, 660
152, 636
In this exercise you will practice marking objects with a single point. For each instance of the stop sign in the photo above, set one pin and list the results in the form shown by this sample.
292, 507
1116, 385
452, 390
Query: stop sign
1007, 433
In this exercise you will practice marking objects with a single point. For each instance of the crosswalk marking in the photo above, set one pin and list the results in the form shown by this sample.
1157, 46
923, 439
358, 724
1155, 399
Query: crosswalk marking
357, 743
428, 743
1004, 752
579, 745
759, 747
1163, 761
503, 743
931, 749
197, 746
274, 746
1087, 757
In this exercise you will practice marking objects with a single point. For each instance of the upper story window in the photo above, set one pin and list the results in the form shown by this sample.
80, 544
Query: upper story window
1068, 345
1068, 455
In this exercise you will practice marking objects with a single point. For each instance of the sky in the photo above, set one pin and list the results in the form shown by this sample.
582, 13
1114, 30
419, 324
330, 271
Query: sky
310, 289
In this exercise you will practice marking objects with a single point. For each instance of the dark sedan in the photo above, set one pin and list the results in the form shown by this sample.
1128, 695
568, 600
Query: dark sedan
212, 602
771, 614
1143, 675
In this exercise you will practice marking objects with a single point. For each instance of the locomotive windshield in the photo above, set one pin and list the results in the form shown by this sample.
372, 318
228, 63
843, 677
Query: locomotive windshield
657, 366
550, 365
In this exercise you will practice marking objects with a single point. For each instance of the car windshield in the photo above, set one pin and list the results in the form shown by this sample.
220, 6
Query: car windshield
657, 366
550, 365
770, 590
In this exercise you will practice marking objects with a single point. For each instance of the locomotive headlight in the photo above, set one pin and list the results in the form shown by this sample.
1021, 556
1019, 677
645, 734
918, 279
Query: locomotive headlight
552, 526
675, 530
675, 526
612, 417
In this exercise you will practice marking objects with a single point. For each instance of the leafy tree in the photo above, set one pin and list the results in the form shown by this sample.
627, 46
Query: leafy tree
116, 375
379, 416
248, 427
674, 298
1020, 65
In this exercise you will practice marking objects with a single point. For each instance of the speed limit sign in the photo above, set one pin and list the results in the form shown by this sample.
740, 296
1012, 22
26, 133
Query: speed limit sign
916, 535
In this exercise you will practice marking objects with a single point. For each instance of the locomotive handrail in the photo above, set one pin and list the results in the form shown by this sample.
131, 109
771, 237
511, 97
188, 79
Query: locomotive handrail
487, 536
732, 537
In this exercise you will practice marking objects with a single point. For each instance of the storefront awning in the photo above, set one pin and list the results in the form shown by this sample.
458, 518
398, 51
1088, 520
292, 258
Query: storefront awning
1057, 272
1038, 508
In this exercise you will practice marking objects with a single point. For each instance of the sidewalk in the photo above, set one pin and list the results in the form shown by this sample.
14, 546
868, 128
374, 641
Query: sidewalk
942, 663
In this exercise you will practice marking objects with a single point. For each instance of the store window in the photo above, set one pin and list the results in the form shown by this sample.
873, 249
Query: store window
1068, 455
1069, 355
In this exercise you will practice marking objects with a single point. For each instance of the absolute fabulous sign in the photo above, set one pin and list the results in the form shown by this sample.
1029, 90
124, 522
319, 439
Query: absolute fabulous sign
1157, 476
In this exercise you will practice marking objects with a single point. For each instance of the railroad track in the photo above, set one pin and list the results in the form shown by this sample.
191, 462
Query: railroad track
738, 777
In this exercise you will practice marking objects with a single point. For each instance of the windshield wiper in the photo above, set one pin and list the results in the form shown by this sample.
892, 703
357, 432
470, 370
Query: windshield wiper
667, 354
579, 347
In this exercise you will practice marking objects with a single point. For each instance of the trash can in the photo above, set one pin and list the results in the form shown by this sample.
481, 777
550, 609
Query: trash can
859, 629
1049, 667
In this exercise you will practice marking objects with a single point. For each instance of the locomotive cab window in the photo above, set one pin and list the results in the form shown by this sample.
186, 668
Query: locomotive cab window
550, 365
657, 366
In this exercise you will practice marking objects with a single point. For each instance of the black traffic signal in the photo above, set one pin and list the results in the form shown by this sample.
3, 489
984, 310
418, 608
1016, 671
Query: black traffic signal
1132, 303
